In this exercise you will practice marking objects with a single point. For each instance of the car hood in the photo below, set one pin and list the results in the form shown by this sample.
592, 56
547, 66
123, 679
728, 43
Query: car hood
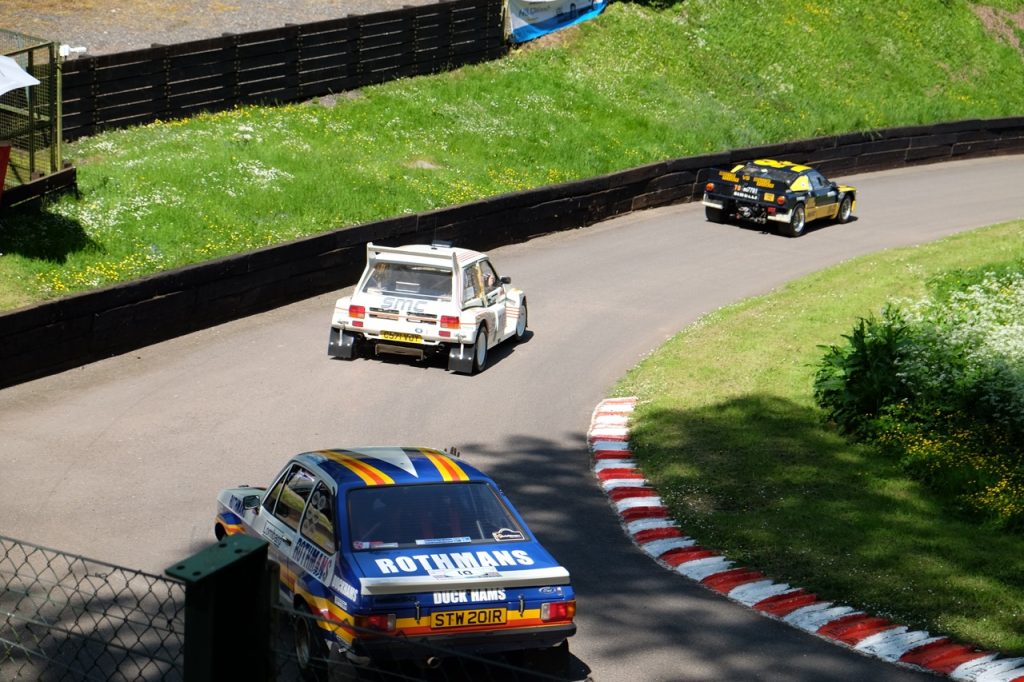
426, 569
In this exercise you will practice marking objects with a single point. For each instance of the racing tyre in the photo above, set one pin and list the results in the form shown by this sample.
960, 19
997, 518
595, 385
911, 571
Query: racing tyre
310, 650
521, 322
714, 215
845, 209
553, 661
480, 350
797, 222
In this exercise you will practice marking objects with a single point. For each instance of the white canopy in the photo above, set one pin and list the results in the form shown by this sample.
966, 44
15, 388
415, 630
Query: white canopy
12, 76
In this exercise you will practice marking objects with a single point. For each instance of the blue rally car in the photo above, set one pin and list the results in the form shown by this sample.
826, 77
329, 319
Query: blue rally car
393, 548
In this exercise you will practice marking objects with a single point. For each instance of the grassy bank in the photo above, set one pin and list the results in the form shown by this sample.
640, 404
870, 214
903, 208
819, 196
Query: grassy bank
729, 434
634, 86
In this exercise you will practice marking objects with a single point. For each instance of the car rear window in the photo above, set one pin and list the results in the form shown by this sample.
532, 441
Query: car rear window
429, 514
413, 281
774, 174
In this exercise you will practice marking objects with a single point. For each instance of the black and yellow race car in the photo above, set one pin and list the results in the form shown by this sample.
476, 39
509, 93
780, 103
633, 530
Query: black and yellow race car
782, 192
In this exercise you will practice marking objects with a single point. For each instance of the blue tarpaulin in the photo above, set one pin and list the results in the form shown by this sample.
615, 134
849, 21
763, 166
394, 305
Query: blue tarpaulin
531, 19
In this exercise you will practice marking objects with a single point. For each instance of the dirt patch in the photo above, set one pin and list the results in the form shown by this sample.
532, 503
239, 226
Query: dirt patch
556, 39
106, 26
1001, 23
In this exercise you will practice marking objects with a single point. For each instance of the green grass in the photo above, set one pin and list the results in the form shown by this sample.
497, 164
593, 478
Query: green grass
636, 85
728, 432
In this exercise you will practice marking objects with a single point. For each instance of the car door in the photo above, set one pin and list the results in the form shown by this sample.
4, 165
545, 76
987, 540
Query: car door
824, 194
495, 299
480, 293
282, 513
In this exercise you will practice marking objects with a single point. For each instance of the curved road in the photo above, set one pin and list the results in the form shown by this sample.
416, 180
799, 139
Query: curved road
121, 460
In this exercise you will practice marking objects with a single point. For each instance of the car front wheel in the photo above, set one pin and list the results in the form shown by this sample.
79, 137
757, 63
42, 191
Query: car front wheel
480, 350
845, 209
521, 322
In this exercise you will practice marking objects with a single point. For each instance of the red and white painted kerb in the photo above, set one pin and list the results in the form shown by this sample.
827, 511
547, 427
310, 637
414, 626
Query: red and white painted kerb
647, 522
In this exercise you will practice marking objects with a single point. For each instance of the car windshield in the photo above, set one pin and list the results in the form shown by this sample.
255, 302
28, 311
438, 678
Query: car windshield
429, 514
414, 281
774, 174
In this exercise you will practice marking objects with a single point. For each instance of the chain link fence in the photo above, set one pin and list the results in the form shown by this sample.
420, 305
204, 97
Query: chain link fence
30, 118
67, 618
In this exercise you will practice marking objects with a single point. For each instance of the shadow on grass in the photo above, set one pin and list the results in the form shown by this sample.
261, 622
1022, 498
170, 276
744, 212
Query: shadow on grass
759, 479
39, 235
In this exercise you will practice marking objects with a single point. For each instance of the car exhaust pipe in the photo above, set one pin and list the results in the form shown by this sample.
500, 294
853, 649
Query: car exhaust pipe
433, 662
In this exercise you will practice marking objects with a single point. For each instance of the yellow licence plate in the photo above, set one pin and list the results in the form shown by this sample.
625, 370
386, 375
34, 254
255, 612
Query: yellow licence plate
398, 336
457, 619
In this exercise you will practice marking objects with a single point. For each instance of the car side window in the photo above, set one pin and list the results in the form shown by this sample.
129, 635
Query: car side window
318, 522
801, 184
491, 280
296, 489
270, 501
472, 283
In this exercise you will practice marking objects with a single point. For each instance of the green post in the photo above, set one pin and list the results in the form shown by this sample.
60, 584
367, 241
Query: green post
228, 591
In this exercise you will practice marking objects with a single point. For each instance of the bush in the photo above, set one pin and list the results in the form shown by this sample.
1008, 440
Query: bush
853, 384
940, 384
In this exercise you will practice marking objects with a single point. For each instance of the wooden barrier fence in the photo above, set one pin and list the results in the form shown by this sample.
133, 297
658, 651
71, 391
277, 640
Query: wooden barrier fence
287, 64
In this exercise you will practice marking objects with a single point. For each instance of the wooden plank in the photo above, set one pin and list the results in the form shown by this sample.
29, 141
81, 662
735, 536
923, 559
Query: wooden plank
118, 60
221, 58
193, 96
110, 88
392, 40
183, 50
152, 93
279, 62
130, 110
270, 96
223, 71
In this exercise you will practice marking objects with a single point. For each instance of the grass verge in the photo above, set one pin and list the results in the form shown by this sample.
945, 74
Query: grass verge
636, 85
728, 432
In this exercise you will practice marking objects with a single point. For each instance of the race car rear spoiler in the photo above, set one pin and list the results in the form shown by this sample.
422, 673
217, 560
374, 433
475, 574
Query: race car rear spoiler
422, 257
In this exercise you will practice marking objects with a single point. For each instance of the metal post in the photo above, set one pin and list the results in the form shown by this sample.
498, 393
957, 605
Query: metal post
228, 591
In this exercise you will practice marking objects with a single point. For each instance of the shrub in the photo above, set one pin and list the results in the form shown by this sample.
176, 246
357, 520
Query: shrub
854, 383
940, 384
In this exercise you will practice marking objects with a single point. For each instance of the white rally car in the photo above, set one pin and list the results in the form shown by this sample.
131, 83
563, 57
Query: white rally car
422, 299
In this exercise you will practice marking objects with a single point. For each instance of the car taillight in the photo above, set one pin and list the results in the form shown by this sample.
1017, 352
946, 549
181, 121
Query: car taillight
356, 312
449, 322
708, 187
558, 610
385, 622
780, 201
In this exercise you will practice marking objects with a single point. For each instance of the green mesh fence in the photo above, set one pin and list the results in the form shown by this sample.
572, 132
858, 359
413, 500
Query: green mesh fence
30, 117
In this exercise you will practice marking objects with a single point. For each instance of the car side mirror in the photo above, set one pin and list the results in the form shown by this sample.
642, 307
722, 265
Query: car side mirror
250, 501
506, 280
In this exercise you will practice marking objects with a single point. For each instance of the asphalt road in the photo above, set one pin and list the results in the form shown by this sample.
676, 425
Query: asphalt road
121, 460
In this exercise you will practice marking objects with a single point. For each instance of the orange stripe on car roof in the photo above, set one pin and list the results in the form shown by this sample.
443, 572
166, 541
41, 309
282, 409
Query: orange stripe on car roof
449, 470
371, 475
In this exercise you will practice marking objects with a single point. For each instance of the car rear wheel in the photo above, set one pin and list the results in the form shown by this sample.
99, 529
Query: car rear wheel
552, 661
480, 350
845, 209
797, 222
310, 651
521, 322
714, 215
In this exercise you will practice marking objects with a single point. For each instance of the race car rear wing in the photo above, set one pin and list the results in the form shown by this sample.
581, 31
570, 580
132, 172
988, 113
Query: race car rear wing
443, 258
